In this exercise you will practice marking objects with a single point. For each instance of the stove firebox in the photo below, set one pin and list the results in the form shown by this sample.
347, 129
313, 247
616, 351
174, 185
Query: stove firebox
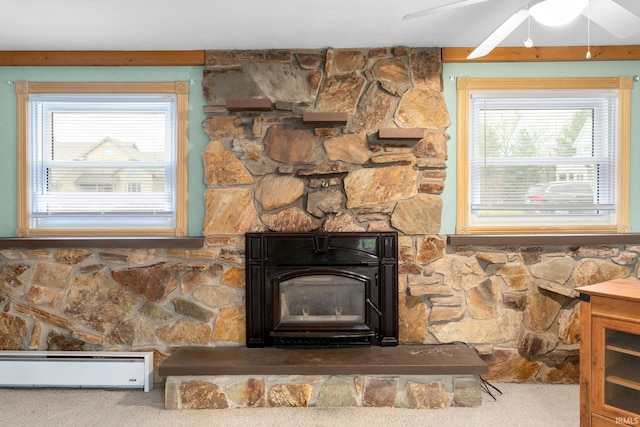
322, 289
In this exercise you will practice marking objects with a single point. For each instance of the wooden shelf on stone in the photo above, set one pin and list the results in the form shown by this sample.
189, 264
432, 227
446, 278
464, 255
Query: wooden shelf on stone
433, 359
401, 133
328, 118
251, 104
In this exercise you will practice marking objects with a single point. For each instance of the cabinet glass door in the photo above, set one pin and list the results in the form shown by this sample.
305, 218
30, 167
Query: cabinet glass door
617, 367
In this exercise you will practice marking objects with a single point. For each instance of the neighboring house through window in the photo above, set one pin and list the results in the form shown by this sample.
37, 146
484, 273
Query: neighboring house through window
543, 155
102, 159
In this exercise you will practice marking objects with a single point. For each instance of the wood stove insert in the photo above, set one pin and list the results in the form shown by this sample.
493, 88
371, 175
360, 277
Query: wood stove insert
322, 289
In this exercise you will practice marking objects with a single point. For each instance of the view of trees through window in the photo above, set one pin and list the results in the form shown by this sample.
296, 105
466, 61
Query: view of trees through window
542, 154
527, 149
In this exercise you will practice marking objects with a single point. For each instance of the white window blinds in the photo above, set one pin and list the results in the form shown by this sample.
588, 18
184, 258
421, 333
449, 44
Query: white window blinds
542, 157
102, 161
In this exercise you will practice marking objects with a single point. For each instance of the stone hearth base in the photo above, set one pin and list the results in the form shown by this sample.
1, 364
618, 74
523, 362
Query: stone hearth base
403, 376
256, 391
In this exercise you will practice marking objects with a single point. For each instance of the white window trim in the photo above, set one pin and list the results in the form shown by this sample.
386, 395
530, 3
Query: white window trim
24, 89
465, 85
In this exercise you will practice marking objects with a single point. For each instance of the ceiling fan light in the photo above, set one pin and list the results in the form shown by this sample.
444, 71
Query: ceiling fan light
554, 13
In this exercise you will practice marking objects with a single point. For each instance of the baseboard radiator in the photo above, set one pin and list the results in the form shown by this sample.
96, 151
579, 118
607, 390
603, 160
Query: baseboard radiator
79, 369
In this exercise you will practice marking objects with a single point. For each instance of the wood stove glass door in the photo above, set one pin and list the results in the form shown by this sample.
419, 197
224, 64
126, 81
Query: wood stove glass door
322, 299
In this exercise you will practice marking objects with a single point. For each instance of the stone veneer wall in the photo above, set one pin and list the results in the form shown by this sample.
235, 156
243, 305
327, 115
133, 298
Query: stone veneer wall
268, 170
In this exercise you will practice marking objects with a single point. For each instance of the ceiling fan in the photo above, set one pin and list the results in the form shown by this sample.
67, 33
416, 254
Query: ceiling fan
606, 13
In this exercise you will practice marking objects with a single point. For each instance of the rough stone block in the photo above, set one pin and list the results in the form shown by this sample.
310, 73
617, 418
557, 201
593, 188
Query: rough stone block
250, 393
172, 394
428, 396
336, 392
380, 392
290, 395
200, 394
467, 392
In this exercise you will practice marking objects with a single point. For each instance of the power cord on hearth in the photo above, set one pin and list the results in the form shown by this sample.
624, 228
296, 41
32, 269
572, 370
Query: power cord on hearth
485, 387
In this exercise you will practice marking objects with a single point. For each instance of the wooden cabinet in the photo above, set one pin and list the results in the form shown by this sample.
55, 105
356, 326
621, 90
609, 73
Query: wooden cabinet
610, 353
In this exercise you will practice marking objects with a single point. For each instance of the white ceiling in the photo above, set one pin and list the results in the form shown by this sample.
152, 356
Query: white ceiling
266, 24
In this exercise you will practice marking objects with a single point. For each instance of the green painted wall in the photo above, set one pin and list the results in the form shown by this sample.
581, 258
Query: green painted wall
198, 140
556, 69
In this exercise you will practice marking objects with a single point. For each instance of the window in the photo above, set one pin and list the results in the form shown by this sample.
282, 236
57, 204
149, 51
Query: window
134, 187
543, 155
102, 159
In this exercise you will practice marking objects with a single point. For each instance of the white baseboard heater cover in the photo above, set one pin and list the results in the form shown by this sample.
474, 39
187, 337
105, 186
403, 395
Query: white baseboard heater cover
79, 369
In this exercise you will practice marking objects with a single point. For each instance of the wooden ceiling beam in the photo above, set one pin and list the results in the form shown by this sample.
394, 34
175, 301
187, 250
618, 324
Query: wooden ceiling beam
197, 57
103, 58
545, 54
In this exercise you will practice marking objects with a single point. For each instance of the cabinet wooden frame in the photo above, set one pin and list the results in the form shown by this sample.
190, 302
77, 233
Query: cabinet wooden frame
612, 306
601, 374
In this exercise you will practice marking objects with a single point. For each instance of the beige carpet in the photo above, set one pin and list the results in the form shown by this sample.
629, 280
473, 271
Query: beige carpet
520, 405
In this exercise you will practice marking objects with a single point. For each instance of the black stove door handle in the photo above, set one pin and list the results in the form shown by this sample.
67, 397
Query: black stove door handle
377, 310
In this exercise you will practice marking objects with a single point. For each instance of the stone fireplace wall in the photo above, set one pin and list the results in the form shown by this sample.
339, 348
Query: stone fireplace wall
267, 168
272, 170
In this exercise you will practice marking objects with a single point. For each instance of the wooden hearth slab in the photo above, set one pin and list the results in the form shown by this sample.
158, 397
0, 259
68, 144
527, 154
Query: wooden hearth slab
375, 360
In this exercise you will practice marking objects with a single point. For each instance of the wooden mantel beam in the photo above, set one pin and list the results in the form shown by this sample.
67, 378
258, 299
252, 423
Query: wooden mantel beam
545, 54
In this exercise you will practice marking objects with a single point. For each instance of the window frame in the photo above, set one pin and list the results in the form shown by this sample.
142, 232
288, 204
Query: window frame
465, 85
26, 88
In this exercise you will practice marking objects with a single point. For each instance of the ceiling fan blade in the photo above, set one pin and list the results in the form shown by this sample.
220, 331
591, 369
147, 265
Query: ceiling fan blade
500, 34
614, 18
449, 6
